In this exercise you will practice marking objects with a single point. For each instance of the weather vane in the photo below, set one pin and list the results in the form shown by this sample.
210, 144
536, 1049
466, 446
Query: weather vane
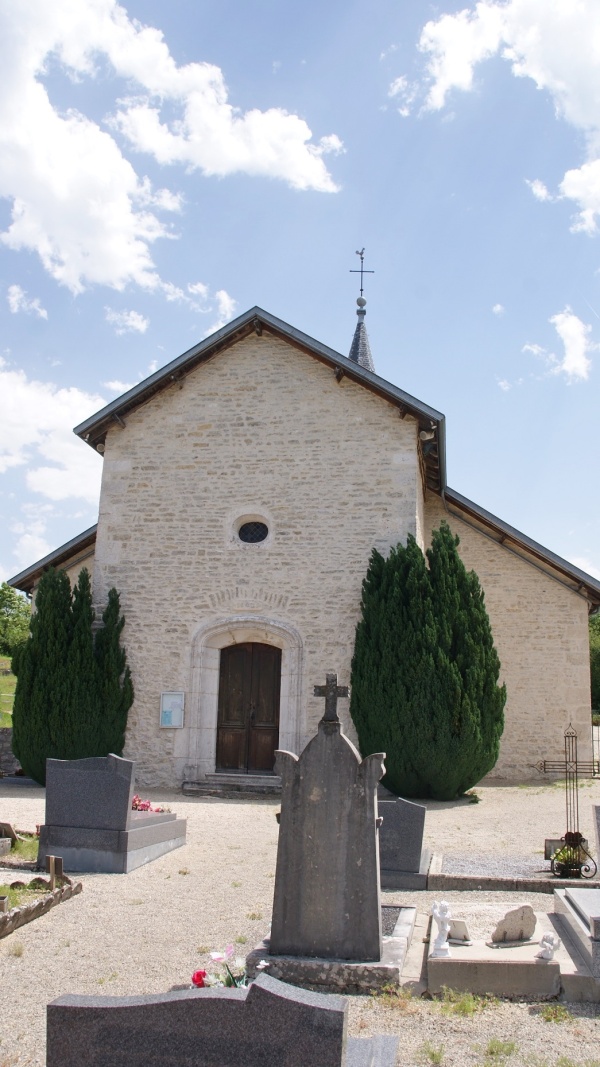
362, 269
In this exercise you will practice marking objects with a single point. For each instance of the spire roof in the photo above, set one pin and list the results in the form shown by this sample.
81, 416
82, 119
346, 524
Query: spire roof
360, 349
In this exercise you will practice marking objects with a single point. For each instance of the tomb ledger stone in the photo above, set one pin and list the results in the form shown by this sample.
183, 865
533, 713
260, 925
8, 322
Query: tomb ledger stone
327, 900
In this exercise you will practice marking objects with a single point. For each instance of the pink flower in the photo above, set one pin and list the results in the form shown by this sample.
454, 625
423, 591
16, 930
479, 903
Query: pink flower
198, 979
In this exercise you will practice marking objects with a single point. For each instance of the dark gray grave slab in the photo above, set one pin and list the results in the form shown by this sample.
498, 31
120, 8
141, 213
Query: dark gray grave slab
90, 823
327, 900
403, 861
269, 1023
95, 793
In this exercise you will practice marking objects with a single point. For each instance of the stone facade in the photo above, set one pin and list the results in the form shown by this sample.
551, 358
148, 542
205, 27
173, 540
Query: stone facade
334, 464
541, 633
260, 431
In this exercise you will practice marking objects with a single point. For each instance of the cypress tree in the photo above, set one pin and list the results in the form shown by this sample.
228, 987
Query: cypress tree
42, 691
425, 671
115, 685
80, 726
73, 693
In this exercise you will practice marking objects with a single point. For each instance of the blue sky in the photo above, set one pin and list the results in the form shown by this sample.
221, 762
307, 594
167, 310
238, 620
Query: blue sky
165, 167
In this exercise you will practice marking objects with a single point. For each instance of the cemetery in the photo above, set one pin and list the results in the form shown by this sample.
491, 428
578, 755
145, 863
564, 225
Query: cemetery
345, 930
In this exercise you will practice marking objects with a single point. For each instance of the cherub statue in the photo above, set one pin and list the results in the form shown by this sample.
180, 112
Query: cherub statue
549, 943
441, 913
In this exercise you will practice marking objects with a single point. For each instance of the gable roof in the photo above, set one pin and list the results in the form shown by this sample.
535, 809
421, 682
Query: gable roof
433, 451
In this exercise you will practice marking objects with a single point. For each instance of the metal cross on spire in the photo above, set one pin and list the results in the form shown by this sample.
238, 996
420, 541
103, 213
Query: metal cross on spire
331, 691
362, 269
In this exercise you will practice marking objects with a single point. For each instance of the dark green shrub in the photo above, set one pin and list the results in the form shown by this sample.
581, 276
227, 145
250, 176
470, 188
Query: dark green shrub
425, 671
73, 692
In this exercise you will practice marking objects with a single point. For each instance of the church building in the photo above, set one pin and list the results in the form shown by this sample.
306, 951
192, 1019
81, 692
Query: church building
244, 487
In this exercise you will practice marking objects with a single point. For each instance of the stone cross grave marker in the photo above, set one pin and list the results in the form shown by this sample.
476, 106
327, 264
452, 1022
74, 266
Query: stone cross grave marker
327, 900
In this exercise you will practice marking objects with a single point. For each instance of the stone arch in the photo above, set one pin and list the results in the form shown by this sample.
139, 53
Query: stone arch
207, 641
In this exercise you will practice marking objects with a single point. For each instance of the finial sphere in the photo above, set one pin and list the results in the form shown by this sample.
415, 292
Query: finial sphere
361, 301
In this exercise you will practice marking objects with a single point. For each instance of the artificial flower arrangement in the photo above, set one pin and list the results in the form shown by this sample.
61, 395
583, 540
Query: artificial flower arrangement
137, 804
201, 979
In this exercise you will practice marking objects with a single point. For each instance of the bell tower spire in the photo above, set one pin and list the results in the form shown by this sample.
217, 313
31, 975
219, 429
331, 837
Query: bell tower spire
360, 350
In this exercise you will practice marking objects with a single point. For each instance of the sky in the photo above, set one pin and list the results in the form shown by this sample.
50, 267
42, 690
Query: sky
165, 167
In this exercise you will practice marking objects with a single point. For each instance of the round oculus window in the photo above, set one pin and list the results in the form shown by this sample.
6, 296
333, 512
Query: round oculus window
253, 532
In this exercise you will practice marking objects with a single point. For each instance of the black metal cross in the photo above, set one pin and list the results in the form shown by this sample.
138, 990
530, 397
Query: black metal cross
362, 269
571, 860
331, 691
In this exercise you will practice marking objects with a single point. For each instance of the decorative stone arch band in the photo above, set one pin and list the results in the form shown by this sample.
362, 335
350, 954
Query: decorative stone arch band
207, 642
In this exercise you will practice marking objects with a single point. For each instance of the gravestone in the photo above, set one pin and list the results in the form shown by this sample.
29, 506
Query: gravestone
403, 861
268, 1023
90, 824
327, 900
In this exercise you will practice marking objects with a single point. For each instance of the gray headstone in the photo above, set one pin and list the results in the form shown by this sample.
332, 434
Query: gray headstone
327, 900
401, 834
268, 1023
95, 793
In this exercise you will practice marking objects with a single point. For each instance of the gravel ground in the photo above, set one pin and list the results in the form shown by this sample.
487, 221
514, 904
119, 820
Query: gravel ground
147, 931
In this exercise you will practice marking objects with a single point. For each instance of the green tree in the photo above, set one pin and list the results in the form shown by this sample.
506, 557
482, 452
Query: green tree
595, 660
425, 671
42, 691
73, 692
115, 685
15, 614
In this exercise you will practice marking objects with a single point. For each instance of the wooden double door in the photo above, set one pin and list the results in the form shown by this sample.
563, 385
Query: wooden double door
248, 718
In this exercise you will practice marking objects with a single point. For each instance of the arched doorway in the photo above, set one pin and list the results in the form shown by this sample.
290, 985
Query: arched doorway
248, 707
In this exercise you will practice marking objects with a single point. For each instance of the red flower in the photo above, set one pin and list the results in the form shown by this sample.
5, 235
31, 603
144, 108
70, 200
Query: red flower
198, 979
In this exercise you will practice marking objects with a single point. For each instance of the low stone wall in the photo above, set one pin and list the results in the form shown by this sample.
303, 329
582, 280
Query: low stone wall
8, 763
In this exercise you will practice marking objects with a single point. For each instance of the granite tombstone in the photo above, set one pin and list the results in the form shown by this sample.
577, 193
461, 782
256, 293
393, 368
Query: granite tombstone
268, 1023
327, 900
90, 823
403, 860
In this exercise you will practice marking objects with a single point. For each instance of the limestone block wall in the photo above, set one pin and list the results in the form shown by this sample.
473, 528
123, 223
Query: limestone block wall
541, 633
260, 431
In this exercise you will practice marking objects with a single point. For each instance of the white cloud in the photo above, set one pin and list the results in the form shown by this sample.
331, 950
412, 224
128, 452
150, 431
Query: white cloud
76, 200
118, 387
19, 301
575, 336
575, 362
504, 384
225, 309
405, 93
555, 43
126, 321
498, 309
36, 432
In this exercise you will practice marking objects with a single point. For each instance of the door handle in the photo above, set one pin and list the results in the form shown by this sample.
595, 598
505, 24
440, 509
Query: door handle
252, 713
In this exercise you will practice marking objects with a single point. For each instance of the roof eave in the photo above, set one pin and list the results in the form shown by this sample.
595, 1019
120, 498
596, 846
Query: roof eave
582, 582
26, 580
94, 429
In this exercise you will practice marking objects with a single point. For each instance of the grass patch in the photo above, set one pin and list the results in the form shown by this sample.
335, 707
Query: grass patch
8, 684
555, 1013
396, 996
496, 1051
16, 949
241, 940
254, 915
457, 1003
27, 849
429, 1053
23, 894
